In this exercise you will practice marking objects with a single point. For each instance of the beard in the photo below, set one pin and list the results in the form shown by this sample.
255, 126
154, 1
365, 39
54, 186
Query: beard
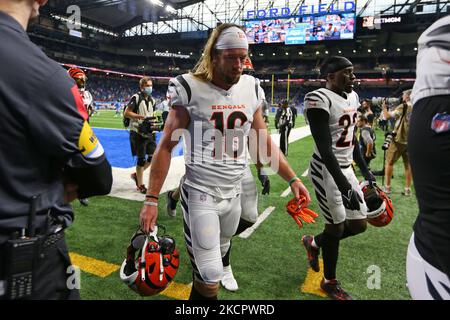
231, 80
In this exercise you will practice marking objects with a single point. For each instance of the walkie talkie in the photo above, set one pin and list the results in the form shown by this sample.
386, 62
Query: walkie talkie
21, 255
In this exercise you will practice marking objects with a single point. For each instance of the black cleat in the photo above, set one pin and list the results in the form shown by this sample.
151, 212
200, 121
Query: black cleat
133, 177
313, 253
334, 290
142, 189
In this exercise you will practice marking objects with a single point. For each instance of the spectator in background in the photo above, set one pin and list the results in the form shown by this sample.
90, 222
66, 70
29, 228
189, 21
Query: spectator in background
366, 108
398, 146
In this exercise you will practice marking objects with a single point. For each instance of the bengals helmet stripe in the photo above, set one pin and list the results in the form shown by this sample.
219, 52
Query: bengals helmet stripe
154, 268
77, 73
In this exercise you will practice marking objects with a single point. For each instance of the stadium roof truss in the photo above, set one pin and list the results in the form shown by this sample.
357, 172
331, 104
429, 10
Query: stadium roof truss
148, 17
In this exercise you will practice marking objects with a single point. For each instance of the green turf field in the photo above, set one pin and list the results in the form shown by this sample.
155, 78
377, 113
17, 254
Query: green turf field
271, 264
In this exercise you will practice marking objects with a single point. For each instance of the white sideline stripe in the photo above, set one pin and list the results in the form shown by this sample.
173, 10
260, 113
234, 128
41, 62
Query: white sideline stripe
248, 232
305, 174
286, 192
123, 187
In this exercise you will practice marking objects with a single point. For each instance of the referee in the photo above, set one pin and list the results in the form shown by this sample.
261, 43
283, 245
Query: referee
49, 156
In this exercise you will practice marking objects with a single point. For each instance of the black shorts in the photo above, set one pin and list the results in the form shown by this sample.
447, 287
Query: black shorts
142, 146
429, 155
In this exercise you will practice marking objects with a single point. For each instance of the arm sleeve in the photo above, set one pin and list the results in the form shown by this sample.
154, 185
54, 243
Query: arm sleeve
57, 121
320, 130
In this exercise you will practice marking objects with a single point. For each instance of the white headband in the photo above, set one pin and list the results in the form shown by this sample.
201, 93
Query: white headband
232, 38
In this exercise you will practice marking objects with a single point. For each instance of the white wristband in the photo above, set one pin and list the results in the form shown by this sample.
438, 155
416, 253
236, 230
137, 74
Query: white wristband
149, 203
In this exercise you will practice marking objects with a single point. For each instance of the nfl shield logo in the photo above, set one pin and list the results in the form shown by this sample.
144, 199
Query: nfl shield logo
203, 197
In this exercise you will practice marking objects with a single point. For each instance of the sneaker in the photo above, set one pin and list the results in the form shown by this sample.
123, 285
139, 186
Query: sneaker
134, 178
228, 281
386, 189
313, 253
171, 205
84, 202
142, 189
407, 192
334, 290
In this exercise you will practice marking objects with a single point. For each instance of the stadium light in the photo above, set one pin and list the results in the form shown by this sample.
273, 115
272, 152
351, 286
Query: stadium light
415, 49
317, 52
287, 53
326, 51
300, 53
368, 50
273, 53
384, 50
339, 51
157, 2
398, 49
171, 9
354, 51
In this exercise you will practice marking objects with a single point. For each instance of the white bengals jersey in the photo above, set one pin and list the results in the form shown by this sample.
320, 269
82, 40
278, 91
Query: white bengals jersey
342, 120
213, 167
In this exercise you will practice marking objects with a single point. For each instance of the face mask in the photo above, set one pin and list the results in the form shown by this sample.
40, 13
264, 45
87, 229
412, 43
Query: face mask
148, 90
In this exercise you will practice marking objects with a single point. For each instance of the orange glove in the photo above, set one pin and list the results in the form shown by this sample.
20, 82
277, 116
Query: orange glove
299, 212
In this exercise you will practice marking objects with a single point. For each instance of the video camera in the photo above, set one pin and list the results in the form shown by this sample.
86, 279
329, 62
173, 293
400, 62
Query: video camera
388, 137
378, 101
150, 125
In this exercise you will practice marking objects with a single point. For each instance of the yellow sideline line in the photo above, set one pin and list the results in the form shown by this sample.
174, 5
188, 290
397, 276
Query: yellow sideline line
90, 265
103, 269
312, 282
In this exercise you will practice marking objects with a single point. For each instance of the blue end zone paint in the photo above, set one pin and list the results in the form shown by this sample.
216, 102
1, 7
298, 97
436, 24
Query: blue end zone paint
117, 147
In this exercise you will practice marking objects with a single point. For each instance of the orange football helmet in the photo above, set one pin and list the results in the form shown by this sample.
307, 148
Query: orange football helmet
77, 73
155, 266
380, 213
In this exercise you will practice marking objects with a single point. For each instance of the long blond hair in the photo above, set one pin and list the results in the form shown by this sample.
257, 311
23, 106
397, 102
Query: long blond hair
204, 68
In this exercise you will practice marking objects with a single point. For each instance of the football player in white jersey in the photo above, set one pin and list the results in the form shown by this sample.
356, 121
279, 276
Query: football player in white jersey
214, 96
80, 78
331, 114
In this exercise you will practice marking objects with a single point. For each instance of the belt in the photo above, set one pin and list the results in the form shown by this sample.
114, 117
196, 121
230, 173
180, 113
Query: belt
316, 157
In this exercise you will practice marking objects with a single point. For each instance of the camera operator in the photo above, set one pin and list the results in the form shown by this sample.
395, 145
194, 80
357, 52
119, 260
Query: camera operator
140, 112
397, 141
49, 156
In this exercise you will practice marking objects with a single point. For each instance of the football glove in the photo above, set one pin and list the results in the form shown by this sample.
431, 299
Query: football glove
352, 200
297, 210
265, 182
368, 176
